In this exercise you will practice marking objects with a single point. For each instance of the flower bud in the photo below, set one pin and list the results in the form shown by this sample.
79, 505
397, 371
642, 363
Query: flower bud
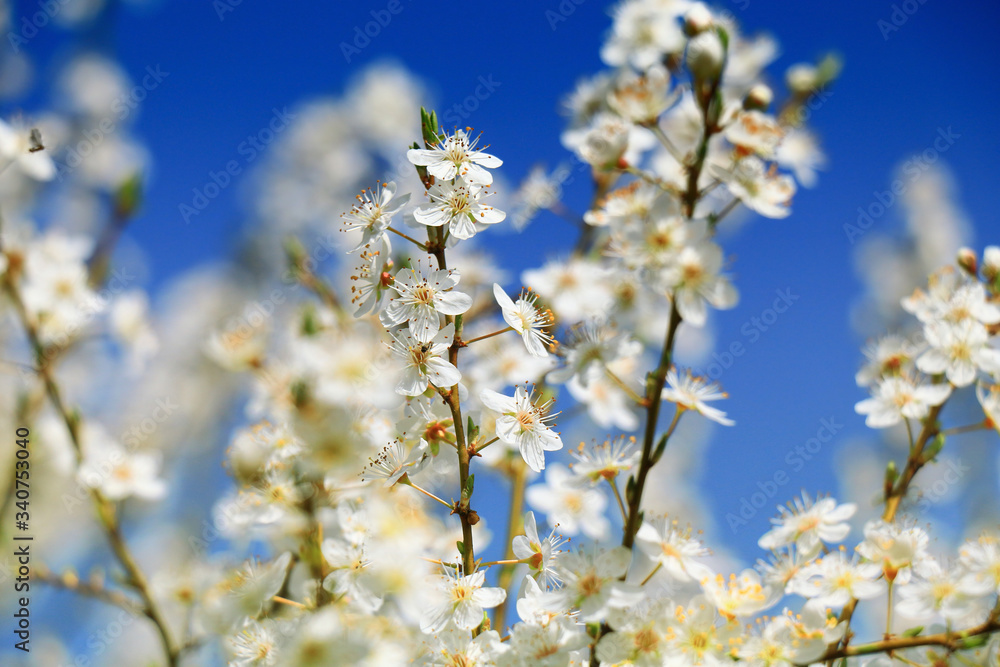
967, 260
801, 78
697, 20
705, 56
759, 97
991, 264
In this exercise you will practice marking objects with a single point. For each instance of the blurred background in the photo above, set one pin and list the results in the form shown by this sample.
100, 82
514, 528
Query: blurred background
215, 103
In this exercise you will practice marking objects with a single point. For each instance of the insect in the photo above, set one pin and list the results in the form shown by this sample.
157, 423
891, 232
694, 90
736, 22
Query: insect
36, 141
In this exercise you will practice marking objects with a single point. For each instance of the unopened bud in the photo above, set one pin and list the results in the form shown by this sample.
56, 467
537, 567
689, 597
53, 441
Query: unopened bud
759, 97
705, 56
801, 78
967, 260
991, 264
697, 20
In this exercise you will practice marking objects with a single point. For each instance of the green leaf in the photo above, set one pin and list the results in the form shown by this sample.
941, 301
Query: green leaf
295, 252
828, 69
934, 448
470, 483
310, 325
723, 37
891, 473
658, 452
975, 642
913, 632
300, 393
128, 197
429, 127
461, 548
630, 490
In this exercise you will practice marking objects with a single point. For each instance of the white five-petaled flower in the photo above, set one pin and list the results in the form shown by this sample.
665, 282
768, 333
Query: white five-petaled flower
458, 206
756, 132
373, 212
763, 191
591, 584
789, 639
372, 277
255, 645
809, 525
981, 560
691, 392
958, 350
887, 356
349, 577
116, 471
642, 98
570, 505
423, 363
541, 554
896, 397
603, 142
605, 461
696, 279
463, 601
900, 549
949, 299
422, 299
835, 578
674, 548
738, 596
455, 156
527, 319
593, 344
643, 33
393, 462
524, 424
245, 591
938, 592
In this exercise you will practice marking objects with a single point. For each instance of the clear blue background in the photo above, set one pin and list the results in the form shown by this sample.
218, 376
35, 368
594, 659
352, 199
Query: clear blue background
938, 70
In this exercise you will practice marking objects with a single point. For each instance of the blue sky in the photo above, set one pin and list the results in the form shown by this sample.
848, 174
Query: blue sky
898, 89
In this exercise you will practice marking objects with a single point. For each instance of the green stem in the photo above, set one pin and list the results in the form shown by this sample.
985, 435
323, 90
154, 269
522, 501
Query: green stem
105, 508
654, 390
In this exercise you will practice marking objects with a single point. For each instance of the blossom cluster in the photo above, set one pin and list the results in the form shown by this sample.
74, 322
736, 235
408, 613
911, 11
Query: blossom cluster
381, 403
